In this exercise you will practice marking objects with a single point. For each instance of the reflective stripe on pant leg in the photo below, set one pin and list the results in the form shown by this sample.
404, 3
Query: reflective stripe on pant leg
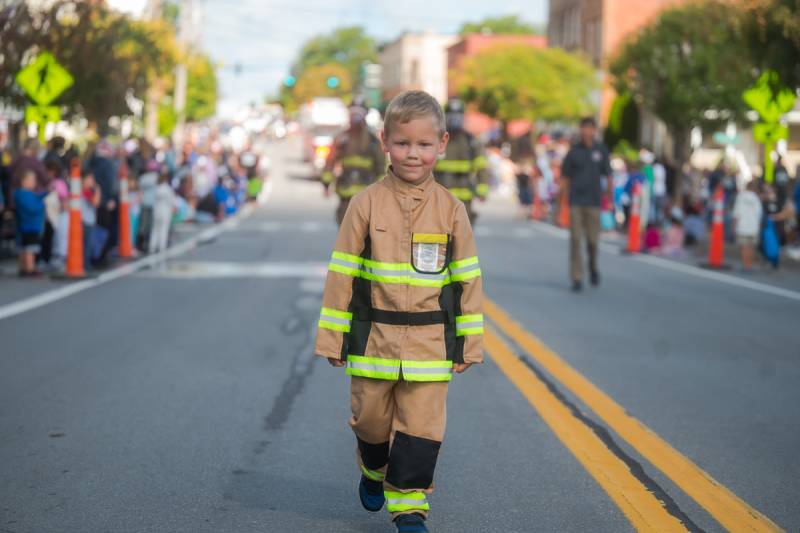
405, 501
374, 475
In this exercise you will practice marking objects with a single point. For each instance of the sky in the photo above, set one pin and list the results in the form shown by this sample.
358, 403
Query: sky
264, 36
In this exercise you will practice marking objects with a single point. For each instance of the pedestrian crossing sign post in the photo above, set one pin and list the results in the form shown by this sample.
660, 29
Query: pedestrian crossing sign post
44, 79
42, 115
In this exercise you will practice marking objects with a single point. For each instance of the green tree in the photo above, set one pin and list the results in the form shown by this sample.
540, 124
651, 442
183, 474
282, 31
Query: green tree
689, 68
511, 82
314, 83
348, 47
507, 25
201, 94
771, 29
108, 54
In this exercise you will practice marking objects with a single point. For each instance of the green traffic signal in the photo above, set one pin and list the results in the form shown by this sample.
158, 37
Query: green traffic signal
333, 82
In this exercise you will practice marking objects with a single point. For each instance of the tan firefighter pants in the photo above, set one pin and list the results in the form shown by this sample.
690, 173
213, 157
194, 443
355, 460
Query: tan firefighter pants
399, 426
583, 222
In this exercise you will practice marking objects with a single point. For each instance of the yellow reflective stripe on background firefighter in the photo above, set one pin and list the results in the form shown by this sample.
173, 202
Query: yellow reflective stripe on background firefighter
335, 320
465, 269
480, 162
357, 161
469, 325
349, 192
405, 501
462, 193
374, 475
453, 165
427, 370
482, 189
373, 367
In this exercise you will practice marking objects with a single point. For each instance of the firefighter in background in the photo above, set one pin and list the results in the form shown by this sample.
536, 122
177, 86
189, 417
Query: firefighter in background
462, 170
356, 159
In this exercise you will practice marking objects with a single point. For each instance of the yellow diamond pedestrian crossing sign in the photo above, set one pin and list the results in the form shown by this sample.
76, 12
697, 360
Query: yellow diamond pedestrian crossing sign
44, 79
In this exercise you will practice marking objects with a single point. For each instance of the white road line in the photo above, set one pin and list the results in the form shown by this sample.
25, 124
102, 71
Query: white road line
54, 295
680, 267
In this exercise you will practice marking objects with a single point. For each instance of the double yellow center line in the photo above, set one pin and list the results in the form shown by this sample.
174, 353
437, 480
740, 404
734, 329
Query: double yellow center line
641, 507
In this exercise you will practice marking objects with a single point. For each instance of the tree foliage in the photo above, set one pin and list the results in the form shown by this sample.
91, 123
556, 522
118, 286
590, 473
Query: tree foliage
511, 82
108, 54
689, 61
507, 25
772, 32
314, 83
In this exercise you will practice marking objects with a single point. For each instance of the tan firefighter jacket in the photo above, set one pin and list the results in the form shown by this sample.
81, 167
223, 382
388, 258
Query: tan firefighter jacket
355, 161
463, 169
403, 291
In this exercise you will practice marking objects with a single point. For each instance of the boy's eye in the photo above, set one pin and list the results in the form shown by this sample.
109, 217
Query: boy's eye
402, 143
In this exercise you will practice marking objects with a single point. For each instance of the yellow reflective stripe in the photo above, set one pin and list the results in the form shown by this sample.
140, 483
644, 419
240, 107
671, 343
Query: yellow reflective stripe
482, 189
373, 367
469, 325
354, 272
347, 257
466, 275
327, 177
405, 501
453, 165
427, 370
325, 324
386, 266
374, 475
430, 238
462, 193
464, 262
357, 161
480, 162
349, 192
327, 311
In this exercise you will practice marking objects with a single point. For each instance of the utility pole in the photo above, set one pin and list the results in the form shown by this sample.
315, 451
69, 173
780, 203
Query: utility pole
152, 11
185, 20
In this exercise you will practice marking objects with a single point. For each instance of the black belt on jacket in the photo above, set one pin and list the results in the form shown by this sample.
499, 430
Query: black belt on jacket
401, 318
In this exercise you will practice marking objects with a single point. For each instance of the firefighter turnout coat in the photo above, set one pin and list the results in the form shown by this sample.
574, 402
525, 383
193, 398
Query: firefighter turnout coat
355, 161
463, 169
402, 296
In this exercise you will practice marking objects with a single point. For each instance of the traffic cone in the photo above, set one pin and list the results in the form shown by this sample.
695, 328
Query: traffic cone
537, 212
563, 211
634, 229
125, 244
716, 248
75, 266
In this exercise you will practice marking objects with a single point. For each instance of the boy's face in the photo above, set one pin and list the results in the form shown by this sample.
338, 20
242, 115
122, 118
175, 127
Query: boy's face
413, 148
28, 181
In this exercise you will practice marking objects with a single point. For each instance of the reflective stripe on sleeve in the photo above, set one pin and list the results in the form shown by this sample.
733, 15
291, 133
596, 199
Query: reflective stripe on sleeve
462, 193
469, 325
480, 162
335, 320
465, 269
454, 165
347, 264
405, 501
482, 189
427, 370
373, 367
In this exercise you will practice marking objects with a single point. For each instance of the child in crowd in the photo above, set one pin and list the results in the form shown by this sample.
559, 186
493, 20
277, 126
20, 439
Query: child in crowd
747, 214
163, 209
30, 214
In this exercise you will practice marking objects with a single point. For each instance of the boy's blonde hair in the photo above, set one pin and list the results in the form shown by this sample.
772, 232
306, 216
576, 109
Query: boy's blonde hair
411, 105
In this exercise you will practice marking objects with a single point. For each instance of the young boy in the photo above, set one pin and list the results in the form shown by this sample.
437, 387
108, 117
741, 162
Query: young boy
402, 310
30, 217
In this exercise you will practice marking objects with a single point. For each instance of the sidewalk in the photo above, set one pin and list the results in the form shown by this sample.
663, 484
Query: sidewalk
13, 288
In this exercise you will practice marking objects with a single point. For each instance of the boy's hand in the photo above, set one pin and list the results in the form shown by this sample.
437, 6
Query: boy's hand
461, 367
336, 362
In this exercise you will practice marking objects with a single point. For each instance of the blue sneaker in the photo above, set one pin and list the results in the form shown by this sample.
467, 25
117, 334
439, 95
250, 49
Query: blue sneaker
371, 494
410, 523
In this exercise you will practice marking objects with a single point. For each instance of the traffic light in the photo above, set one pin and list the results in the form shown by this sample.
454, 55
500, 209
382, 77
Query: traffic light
333, 82
290, 81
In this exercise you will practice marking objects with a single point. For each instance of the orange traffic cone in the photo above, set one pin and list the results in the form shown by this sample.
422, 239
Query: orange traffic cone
634, 236
537, 212
75, 266
125, 244
716, 248
563, 210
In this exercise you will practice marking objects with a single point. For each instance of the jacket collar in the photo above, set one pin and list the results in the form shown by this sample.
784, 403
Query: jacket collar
404, 188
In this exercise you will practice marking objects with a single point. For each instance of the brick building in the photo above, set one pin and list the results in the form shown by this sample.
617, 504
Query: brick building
597, 28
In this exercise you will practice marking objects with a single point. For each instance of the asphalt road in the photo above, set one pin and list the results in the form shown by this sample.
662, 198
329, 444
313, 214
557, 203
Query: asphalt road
185, 397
